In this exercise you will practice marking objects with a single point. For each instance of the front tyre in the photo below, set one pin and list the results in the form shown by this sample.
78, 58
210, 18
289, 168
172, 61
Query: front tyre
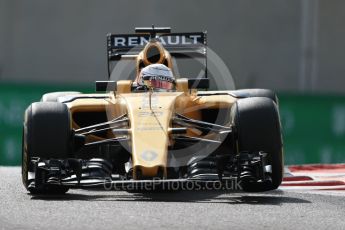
47, 134
258, 129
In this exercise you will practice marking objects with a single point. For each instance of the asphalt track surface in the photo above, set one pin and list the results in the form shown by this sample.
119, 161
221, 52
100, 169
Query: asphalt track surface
80, 209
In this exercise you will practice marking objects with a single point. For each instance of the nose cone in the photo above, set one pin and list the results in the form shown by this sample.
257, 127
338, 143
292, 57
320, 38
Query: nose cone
149, 131
149, 145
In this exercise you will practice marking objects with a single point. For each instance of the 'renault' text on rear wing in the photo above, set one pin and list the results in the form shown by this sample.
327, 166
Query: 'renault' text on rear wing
179, 45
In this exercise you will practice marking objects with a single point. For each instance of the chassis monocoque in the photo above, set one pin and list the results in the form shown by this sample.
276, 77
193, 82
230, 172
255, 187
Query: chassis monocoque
124, 136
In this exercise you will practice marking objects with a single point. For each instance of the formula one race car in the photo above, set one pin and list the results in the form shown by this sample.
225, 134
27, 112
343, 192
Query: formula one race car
154, 127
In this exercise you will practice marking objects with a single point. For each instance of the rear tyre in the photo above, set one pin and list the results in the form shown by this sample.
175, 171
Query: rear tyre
258, 128
47, 134
53, 97
247, 93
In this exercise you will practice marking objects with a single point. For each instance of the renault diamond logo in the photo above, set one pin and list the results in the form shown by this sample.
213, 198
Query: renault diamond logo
149, 155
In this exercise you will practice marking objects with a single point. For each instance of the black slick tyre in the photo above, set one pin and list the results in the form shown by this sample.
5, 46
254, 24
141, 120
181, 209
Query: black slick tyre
257, 125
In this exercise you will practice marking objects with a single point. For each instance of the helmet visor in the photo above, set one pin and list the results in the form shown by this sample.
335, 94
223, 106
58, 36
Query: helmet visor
159, 82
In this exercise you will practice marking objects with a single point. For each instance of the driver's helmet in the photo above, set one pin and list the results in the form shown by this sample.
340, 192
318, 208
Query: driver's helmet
157, 76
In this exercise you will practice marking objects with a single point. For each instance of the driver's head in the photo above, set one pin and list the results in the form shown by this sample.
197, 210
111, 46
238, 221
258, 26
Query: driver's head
158, 76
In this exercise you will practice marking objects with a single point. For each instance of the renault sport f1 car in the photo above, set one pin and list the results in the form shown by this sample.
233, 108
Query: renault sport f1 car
154, 126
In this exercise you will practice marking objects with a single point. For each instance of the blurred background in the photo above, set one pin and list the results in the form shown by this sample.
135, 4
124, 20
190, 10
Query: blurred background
295, 47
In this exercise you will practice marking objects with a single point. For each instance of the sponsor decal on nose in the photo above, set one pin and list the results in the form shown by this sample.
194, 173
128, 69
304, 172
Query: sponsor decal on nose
149, 155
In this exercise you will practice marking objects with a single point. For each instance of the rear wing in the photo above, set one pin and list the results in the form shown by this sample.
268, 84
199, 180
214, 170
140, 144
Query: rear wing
179, 45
